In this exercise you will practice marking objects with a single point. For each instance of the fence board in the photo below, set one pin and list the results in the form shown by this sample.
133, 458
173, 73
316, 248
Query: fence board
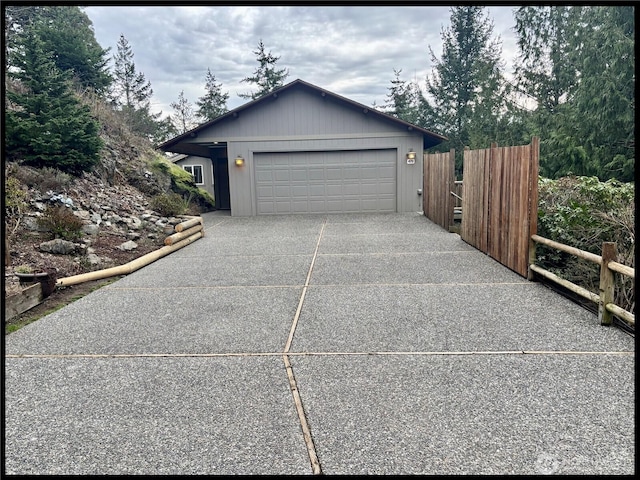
500, 202
474, 228
438, 183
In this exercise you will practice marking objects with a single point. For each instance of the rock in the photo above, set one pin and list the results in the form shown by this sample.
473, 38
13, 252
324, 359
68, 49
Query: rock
129, 245
93, 259
96, 218
91, 229
60, 246
135, 223
83, 214
31, 223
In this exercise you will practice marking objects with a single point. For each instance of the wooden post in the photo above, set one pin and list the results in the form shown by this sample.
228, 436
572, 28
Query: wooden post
607, 282
532, 259
534, 173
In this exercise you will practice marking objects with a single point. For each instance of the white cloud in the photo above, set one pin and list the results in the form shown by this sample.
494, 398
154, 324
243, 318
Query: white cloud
350, 50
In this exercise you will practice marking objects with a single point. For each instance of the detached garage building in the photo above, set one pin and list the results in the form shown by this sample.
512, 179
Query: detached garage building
302, 149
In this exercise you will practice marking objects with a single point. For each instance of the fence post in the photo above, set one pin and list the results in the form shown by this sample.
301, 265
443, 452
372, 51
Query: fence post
532, 259
607, 282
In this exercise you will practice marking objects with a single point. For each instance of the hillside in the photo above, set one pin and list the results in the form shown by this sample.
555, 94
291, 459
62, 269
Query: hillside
112, 206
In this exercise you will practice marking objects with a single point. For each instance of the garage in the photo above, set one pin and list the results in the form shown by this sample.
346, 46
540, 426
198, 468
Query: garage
326, 182
301, 149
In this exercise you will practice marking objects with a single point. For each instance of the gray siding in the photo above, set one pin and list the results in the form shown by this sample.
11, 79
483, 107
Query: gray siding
304, 121
296, 113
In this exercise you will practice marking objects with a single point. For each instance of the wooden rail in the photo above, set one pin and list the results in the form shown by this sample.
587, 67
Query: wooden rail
608, 266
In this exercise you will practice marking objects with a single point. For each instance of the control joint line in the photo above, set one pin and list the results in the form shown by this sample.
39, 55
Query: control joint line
302, 416
306, 432
304, 290
318, 354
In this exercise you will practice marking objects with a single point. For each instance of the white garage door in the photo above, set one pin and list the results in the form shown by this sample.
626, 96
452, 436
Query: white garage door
326, 182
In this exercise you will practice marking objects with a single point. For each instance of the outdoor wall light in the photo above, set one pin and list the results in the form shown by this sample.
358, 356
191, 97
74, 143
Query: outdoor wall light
239, 161
411, 157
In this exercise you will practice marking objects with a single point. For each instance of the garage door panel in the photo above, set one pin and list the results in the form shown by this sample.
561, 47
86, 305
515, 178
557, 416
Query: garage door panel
282, 175
316, 173
326, 182
317, 191
333, 173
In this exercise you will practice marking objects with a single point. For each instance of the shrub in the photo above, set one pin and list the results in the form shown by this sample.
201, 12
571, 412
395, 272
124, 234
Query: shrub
54, 179
43, 179
62, 223
182, 183
169, 204
584, 212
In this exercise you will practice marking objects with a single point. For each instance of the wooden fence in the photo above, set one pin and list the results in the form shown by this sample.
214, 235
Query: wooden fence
439, 178
500, 202
608, 267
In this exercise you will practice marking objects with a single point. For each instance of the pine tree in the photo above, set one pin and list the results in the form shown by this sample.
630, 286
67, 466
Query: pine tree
164, 130
185, 117
131, 89
604, 98
132, 92
577, 64
466, 82
45, 123
67, 33
406, 101
266, 76
214, 102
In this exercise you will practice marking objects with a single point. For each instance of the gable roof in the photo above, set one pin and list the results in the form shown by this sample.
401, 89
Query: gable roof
430, 139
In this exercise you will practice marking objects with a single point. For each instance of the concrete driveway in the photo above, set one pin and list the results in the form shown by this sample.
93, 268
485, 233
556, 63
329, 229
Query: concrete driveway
340, 344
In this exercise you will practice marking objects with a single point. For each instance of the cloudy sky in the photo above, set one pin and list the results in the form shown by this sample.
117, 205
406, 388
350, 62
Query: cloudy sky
348, 50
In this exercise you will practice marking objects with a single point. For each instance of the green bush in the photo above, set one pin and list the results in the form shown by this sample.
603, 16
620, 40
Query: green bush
182, 183
169, 204
584, 212
43, 179
62, 223
15, 202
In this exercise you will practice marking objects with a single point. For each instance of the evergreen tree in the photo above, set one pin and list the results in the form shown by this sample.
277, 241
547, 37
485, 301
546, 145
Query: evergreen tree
131, 89
45, 124
544, 71
67, 33
185, 117
405, 100
466, 83
266, 76
214, 102
164, 130
132, 92
603, 100
545, 74
577, 64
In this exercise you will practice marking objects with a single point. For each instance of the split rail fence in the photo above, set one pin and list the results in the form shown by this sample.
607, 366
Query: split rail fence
609, 266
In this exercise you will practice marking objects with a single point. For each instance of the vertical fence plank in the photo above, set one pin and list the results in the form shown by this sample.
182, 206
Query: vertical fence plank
534, 154
438, 183
500, 204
